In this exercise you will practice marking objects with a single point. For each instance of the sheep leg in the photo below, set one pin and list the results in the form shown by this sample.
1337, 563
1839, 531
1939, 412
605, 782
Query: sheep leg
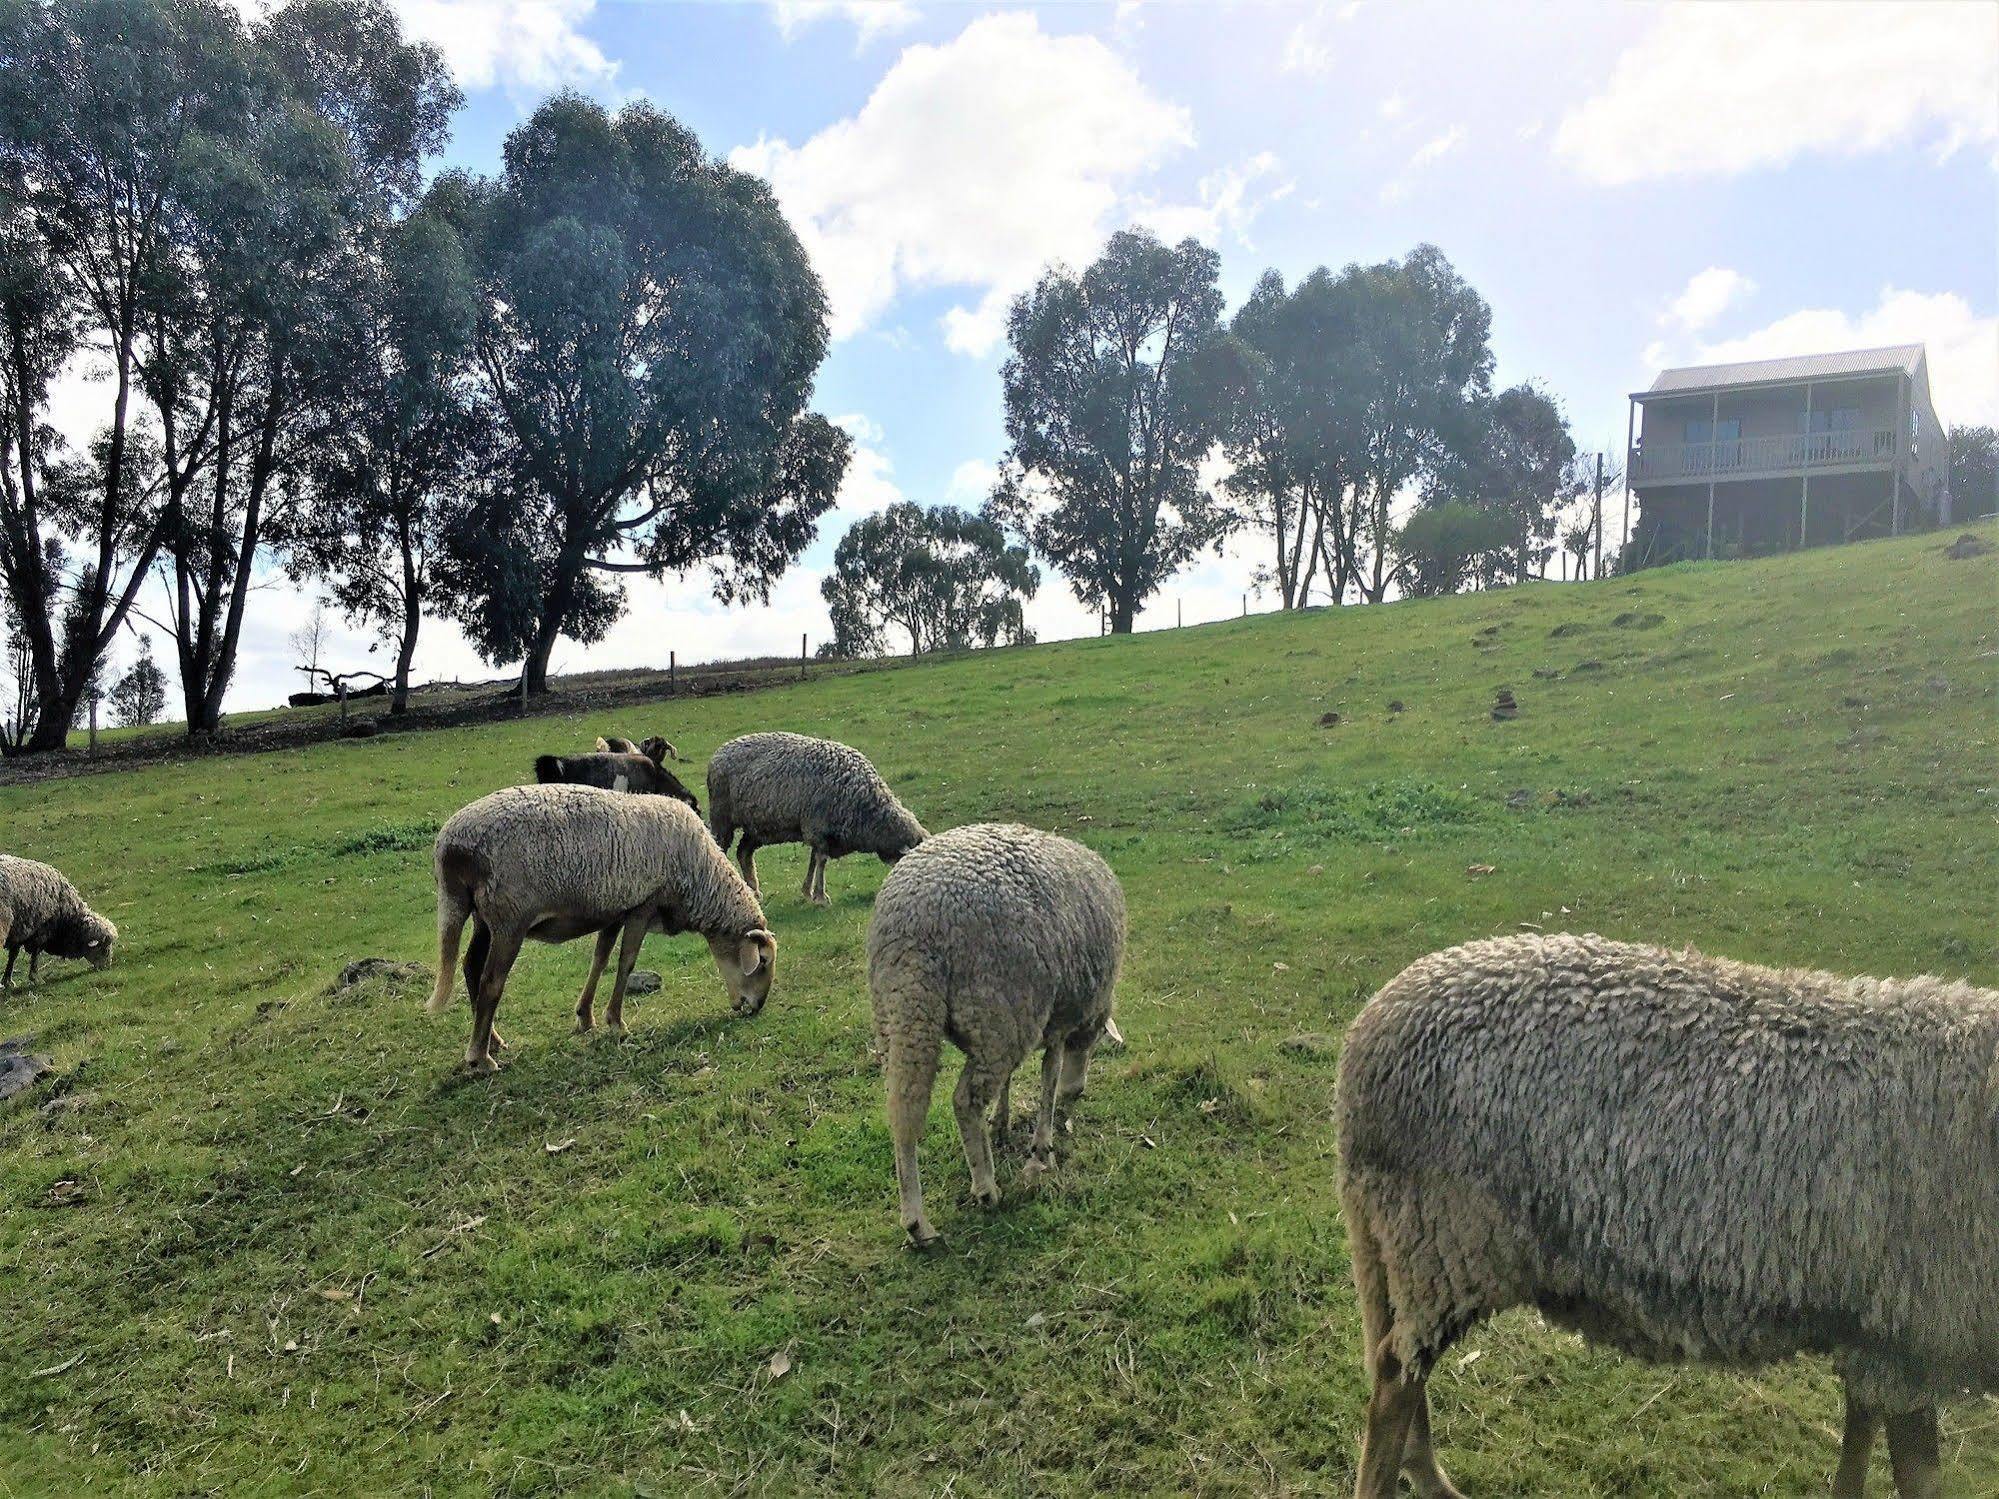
819, 886
973, 1101
1002, 1110
628, 956
1391, 1410
1856, 1443
504, 948
910, 1074
1041, 1147
1913, 1454
1419, 1458
1075, 1076
746, 860
588, 998
34, 963
7, 980
815, 877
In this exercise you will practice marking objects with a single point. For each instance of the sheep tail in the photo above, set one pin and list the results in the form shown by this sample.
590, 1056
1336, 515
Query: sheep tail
453, 907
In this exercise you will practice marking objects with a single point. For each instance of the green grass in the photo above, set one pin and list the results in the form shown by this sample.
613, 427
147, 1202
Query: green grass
290, 1250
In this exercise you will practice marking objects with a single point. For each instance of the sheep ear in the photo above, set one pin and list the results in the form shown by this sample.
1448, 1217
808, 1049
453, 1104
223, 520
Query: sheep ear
603, 745
1111, 1030
749, 956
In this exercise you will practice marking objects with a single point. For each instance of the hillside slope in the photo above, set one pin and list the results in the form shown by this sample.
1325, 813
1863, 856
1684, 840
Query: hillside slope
268, 1241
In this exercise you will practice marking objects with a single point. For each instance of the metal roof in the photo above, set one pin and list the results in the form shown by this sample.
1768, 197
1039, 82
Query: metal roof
1897, 359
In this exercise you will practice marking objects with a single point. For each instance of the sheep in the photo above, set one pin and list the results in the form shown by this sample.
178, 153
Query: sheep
1003, 939
1683, 1157
41, 911
557, 862
786, 788
653, 746
626, 769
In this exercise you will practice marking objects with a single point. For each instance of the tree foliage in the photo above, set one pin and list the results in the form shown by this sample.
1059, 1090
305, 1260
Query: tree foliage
398, 464
1116, 389
1974, 472
140, 695
1441, 547
1513, 456
648, 329
946, 577
1354, 386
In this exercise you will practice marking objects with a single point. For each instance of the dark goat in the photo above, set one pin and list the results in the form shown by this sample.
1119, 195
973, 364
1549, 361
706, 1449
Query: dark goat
613, 771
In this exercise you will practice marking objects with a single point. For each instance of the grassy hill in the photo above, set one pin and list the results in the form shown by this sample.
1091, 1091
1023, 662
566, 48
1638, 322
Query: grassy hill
270, 1242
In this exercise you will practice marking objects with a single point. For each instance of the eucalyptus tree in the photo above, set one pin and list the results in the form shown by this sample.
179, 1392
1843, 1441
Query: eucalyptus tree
1511, 455
946, 577
648, 331
1117, 387
380, 486
106, 107
249, 361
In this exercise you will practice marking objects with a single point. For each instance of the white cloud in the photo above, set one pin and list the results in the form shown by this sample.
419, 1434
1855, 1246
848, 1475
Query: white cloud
974, 163
971, 484
870, 18
527, 44
1424, 156
1394, 107
1708, 294
1963, 347
1309, 46
1717, 89
1229, 201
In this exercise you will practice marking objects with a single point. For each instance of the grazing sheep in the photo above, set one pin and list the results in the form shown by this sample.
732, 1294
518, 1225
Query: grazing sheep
786, 788
627, 769
1003, 939
1685, 1158
41, 911
553, 863
654, 747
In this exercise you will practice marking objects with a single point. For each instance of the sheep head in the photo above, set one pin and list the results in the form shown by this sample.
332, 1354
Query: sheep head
746, 963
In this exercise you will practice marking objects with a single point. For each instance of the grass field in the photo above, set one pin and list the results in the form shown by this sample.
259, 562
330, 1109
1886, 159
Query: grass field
271, 1242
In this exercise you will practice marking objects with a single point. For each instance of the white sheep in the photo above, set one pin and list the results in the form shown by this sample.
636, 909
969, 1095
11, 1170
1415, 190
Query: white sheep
41, 912
555, 862
787, 788
1003, 939
1685, 1158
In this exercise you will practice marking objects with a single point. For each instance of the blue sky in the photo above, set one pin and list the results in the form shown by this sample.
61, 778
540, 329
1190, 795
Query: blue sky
1626, 185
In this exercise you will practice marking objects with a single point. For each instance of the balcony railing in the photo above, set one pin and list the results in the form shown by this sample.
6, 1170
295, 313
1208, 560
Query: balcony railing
1735, 457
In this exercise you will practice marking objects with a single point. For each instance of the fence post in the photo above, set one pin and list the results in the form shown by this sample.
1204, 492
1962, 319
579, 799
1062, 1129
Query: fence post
343, 700
1245, 606
672, 670
1179, 615
801, 655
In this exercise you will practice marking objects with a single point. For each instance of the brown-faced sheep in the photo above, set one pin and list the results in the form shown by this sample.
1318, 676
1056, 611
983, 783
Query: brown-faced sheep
1685, 1158
1003, 939
41, 912
653, 747
787, 788
632, 769
553, 863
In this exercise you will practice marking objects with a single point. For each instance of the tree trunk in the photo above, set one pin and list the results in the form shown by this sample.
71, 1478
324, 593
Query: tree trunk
1124, 609
412, 618
534, 670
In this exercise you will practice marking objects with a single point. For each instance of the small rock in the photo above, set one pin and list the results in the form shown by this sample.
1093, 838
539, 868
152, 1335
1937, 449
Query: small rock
642, 981
1850, 701
1582, 666
1395, 705
1327, 720
1308, 1044
1503, 705
1546, 673
1967, 545
1523, 797
18, 1067
1572, 627
1633, 620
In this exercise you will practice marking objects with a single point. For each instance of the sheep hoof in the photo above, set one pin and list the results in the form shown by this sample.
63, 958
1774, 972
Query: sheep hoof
1039, 1164
923, 1237
987, 1196
481, 1066
583, 1028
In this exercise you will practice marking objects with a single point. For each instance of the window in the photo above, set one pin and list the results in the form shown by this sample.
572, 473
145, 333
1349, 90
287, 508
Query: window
1838, 419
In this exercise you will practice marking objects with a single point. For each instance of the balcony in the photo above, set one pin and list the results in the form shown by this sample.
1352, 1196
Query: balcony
1748, 457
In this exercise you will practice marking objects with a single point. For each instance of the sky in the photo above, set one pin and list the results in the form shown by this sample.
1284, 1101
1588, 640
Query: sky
1629, 186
